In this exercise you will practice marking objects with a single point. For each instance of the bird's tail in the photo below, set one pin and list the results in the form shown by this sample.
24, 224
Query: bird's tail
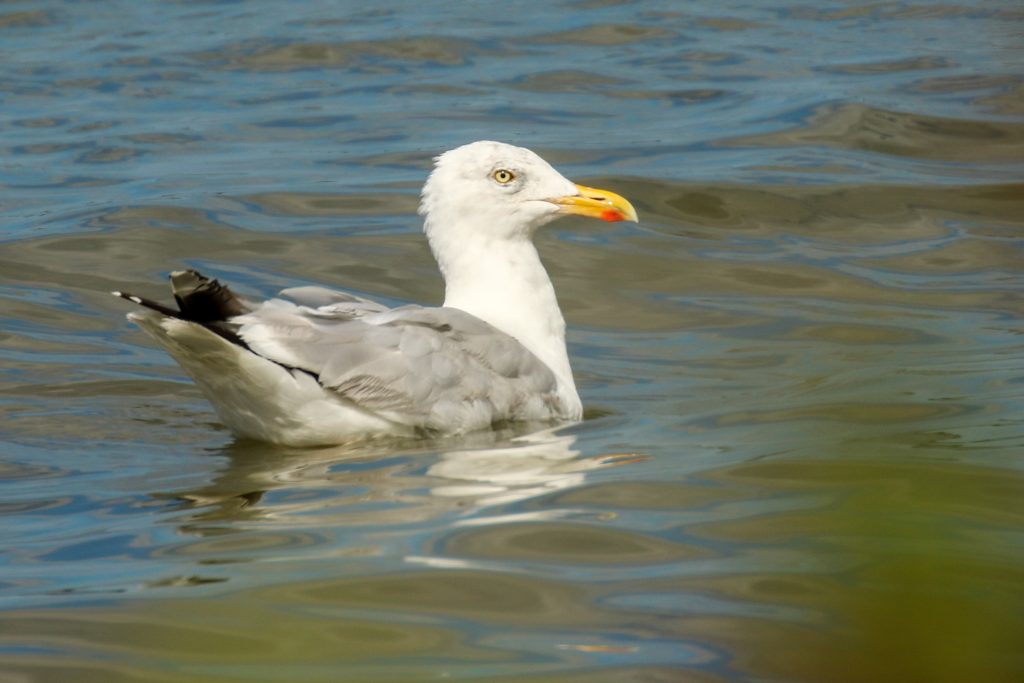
200, 299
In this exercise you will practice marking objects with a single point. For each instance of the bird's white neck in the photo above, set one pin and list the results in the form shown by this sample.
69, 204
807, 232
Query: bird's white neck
503, 282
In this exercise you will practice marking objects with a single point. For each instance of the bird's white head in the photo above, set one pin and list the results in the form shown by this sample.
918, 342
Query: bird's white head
481, 205
499, 191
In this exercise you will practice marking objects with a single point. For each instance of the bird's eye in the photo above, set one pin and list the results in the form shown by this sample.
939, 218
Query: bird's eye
503, 176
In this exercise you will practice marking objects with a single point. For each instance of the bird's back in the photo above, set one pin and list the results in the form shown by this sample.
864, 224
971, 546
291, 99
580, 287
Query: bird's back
291, 373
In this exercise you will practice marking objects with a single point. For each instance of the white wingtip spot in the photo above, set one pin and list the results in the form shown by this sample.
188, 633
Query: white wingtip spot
116, 293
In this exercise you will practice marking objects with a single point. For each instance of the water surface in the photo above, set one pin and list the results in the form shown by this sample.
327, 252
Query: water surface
803, 370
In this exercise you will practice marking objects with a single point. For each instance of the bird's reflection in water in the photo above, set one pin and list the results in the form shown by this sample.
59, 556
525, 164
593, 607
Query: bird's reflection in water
381, 482
524, 467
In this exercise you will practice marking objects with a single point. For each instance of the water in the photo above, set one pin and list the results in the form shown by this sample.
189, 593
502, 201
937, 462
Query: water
803, 369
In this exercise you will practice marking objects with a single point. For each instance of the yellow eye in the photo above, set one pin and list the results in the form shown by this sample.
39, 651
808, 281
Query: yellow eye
503, 176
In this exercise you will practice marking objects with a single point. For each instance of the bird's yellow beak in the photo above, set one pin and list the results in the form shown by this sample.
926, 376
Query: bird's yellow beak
596, 203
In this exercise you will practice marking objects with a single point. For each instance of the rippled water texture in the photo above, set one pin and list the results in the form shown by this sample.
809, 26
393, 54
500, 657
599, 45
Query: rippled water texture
803, 370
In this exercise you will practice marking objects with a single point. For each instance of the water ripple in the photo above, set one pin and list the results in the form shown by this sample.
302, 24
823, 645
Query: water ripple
801, 457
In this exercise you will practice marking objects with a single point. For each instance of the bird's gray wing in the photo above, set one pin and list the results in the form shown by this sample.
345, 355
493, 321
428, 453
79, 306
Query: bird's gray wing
435, 368
331, 303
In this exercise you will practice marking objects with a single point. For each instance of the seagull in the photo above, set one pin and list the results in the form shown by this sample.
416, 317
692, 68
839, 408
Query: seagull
321, 367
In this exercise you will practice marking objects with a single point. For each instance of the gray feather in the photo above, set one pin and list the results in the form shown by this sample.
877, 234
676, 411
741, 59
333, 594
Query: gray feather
423, 367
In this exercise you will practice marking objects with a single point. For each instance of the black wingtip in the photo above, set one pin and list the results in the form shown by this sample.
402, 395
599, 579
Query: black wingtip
148, 303
200, 299
203, 299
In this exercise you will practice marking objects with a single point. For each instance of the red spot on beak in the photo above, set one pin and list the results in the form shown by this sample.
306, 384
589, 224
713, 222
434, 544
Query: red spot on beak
611, 216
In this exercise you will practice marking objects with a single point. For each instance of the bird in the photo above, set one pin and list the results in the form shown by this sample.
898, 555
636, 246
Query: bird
316, 366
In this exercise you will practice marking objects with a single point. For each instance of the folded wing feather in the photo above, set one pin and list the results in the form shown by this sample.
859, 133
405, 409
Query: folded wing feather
426, 367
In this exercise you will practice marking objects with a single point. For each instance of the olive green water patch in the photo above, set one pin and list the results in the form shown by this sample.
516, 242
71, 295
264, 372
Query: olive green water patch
844, 214
923, 63
383, 54
857, 413
644, 495
26, 19
966, 255
566, 80
604, 35
566, 543
309, 204
905, 134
